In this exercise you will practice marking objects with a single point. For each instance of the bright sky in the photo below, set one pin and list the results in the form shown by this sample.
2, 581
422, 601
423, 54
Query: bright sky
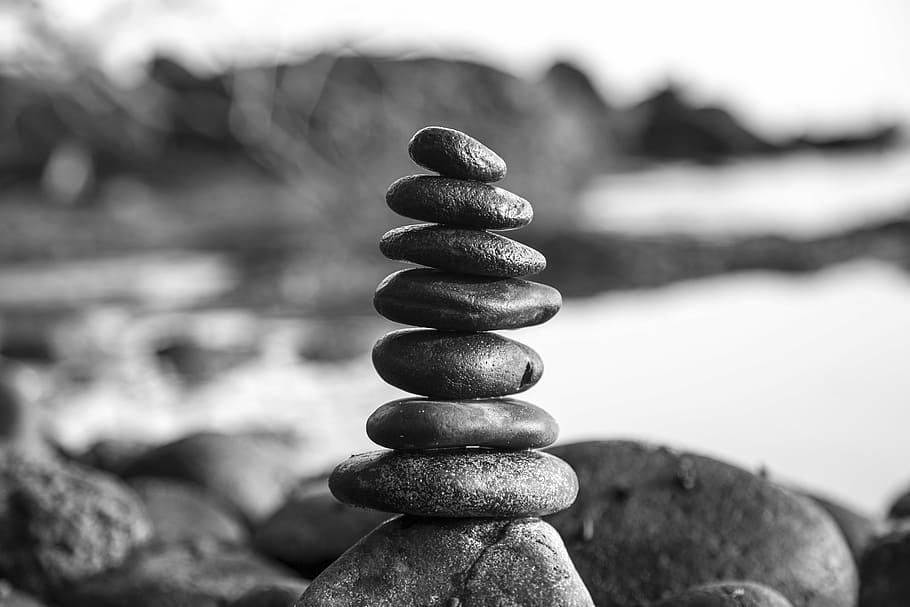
784, 65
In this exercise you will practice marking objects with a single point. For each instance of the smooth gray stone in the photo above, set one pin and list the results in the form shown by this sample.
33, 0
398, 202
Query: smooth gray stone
651, 522
456, 483
727, 594
462, 250
468, 204
418, 562
456, 365
459, 302
455, 154
419, 423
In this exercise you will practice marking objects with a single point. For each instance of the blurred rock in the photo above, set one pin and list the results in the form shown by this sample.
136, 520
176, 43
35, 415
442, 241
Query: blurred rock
9, 597
650, 522
250, 472
285, 595
181, 512
312, 529
883, 570
858, 529
726, 594
180, 576
21, 422
900, 508
61, 523
113, 455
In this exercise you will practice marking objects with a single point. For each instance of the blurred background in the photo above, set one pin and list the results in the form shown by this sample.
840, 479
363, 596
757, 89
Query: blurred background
191, 196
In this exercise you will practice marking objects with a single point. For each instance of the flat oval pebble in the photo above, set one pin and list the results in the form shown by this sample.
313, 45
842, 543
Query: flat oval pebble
457, 202
456, 483
456, 365
460, 302
420, 423
462, 250
455, 154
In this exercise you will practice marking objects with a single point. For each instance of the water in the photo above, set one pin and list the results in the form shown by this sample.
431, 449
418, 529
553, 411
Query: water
800, 196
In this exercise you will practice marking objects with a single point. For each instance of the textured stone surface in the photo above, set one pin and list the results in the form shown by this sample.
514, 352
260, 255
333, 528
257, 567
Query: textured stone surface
885, 570
181, 576
468, 204
284, 595
312, 529
458, 302
456, 483
415, 562
418, 423
181, 512
251, 473
727, 594
462, 250
650, 522
455, 154
61, 523
456, 365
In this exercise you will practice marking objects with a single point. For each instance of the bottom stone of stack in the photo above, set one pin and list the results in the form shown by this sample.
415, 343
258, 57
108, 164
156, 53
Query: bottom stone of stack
412, 561
458, 483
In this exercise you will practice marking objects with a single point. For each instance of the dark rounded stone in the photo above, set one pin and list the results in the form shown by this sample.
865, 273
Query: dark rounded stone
418, 562
181, 512
180, 575
468, 204
455, 154
462, 250
456, 483
312, 529
884, 568
459, 302
61, 523
900, 508
417, 423
650, 522
727, 594
456, 365
249, 472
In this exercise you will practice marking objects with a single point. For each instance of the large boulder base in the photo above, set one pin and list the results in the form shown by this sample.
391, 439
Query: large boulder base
420, 562
650, 522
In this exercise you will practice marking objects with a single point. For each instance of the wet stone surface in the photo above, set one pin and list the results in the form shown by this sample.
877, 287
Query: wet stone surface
462, 250
456, 202
418, 423
455, 154
459, 302
456, 483
456, 365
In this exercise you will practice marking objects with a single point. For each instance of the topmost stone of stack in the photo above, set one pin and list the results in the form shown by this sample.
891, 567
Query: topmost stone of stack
454, 154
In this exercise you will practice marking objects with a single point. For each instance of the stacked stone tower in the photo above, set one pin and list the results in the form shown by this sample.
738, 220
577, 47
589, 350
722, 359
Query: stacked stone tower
461, 466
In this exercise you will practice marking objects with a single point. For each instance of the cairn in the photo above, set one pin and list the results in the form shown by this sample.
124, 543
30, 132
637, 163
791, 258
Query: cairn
461, 466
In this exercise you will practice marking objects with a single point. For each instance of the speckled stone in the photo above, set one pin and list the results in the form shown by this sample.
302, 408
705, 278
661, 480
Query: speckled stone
418, 562
650, 522
456, 483
61, 523
459, 302
419, 423
456, 365
468, 204
727, 594
454, 154
461, 250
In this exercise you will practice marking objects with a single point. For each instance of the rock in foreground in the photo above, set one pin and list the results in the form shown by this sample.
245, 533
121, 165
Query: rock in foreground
650, 522
61, 523
415, 562
727, 594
